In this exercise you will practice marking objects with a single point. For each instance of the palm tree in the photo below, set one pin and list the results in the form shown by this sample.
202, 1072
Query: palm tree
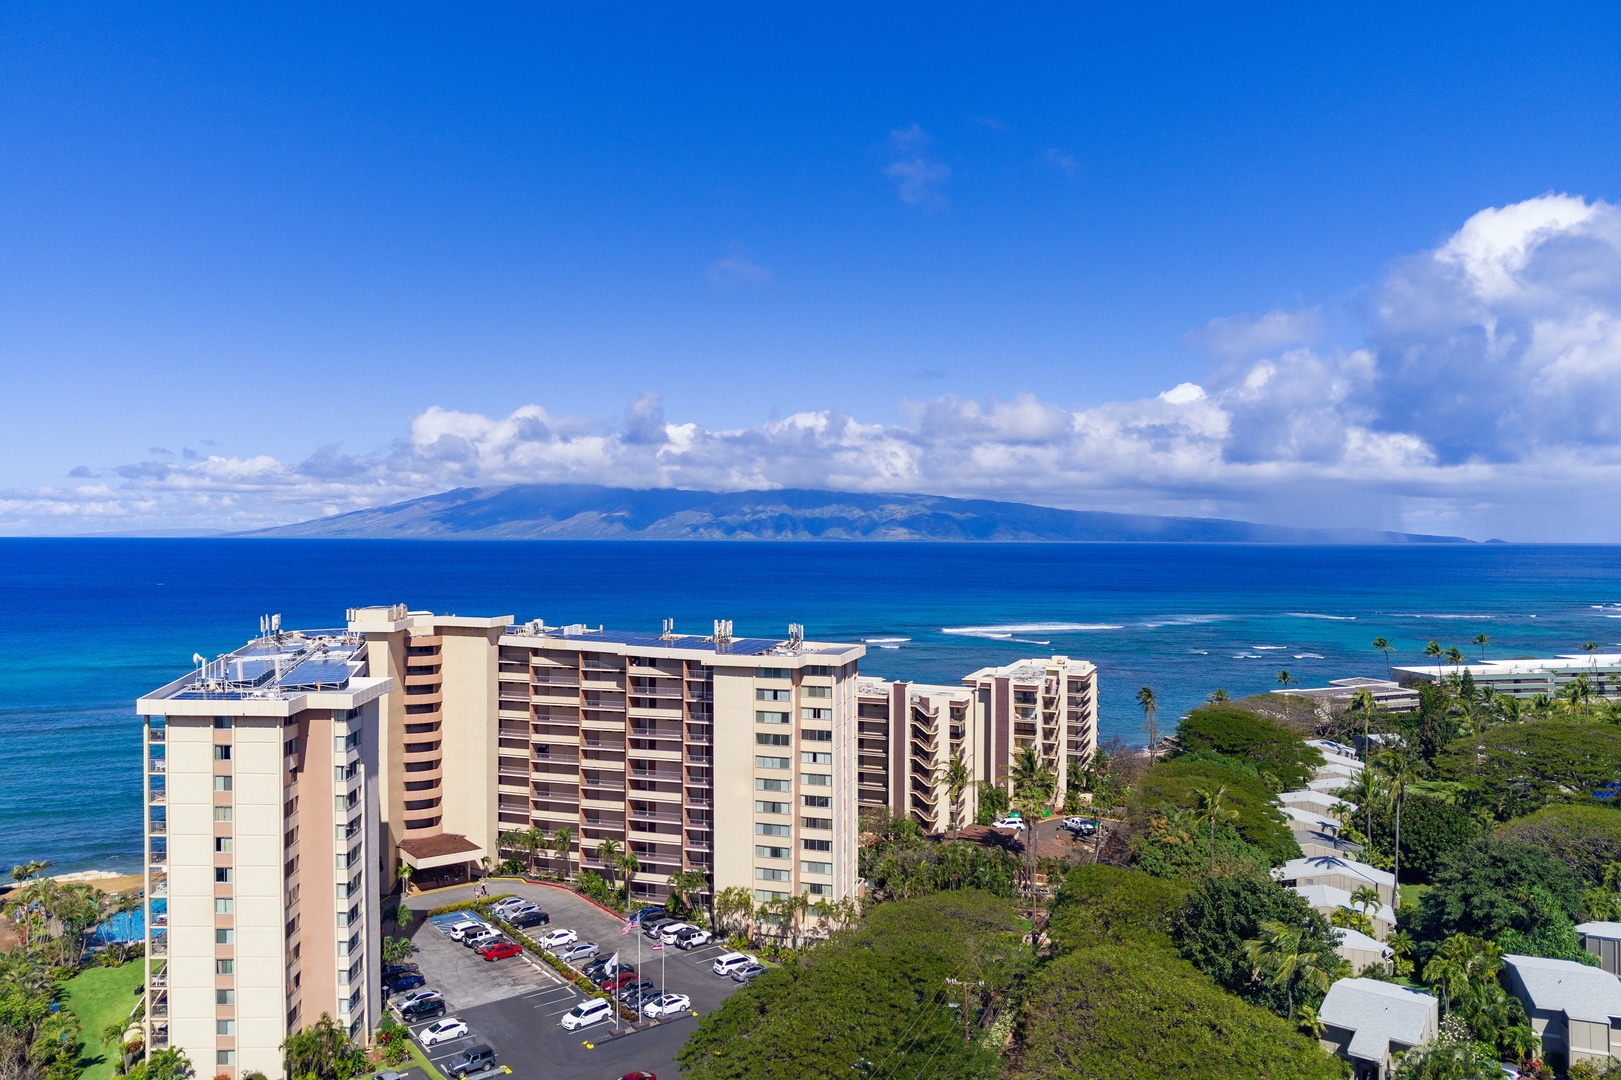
1483, 639
1150, 703
1383, 646
562, 844
683, 883
1283, 953
957, 778
1362, 702
630, 866
1400, 768
1456, 658
1217, 696
404, 874
1032, 781
1209, 806
1310, 1023
733, 900
1365, 897
1434, 650
605, 855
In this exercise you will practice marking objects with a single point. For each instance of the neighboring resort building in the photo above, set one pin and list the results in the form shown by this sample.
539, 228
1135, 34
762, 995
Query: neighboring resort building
1387, 695
1528, 678
911, 732
262, 849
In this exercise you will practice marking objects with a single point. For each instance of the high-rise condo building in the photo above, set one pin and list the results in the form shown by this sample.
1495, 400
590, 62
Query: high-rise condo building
261, 791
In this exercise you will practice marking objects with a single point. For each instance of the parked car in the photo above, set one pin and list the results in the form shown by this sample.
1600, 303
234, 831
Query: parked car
408, 980
500, 950
1016, 824
415, 995
618, 980
726, 963
583, 950
639, 1076
748, 973
692, 938
586, 1013
666, 1005
556, 939
639, 988
471, 1062
441, 1031
422, 1009
668, 932
533, 917
459, 931
1080, 826
654, 926
478, 941
391, 970
510, 903
518, 909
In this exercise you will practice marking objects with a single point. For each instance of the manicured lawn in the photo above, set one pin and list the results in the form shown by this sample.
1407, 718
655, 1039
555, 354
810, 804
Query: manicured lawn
98, 996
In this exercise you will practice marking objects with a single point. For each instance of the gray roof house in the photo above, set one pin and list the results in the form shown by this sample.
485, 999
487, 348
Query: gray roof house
1342, 873
1359, 950
1603, 940
1575, 1009
1367, 1023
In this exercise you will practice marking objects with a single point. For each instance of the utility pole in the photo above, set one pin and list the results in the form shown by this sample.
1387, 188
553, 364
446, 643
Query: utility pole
967, 1038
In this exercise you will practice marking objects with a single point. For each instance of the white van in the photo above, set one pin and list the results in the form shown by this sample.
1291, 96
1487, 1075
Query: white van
586, 1013
726, 963
458, 931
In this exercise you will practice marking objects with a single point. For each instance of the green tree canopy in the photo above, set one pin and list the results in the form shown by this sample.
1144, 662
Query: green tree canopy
1099, 904
1271, 748
876, 992
1176, 782
1222, 914
1521, 897
1126, 1011
1516, 769
1430, 829
1585, 838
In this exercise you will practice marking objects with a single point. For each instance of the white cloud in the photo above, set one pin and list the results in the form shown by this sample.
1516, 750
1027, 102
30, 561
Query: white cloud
1487, 401
736, 269
916, 176
1061, 161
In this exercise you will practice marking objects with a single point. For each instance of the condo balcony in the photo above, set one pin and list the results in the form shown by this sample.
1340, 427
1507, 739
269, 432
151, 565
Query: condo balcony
155, 734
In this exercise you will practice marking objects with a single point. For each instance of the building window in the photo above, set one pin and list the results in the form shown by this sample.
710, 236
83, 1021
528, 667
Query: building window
762, 852
765, 874
816, 735
225, 937
225, 1027
290, 747
816, 714
225, 1057
816, 779
808, 757
816, 845
223, 844
771, 808
225, 967
224, 906
762, 694
225, 997
765, 896
774, 673
221, 752
816, 691
771, 738
222, 783
816, 867
820, 670
222, 813
762, 829
771, 785
818, 889
821, 802
222, 875
222, 723
770, 717
773, 763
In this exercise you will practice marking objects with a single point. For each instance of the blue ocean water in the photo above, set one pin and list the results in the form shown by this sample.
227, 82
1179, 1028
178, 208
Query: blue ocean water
86, 626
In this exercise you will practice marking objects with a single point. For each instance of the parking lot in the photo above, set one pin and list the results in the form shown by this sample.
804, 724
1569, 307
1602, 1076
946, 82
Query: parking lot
515, 1005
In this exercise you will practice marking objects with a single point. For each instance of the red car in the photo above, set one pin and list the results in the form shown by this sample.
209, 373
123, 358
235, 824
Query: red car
500, 950
618, 980
638, 1076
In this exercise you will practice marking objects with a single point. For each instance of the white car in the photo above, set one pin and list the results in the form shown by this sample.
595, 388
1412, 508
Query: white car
726, 963
442, 1031
585, 950
668, 933
668, 1005
1016, 824
692, 939
586, 1013
414, 995
508, 904
460, 931
556, 939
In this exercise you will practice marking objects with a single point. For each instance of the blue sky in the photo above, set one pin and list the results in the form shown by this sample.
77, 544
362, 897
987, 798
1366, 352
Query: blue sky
257, 266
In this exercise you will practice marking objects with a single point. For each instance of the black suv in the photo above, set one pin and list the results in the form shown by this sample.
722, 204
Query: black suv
471, 1062
530, 918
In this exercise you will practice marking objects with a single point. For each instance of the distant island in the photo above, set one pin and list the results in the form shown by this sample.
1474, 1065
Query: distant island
591, 512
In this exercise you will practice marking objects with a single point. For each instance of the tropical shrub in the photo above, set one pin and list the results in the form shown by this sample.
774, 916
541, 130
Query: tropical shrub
1431, 828
1099, 904
1585, 838
1176, 782
1272, 749
1516, 769
1521, 897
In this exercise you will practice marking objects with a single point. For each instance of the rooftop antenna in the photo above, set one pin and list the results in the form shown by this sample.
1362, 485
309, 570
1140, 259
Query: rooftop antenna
723, 632
796, 636
275, 625
669, 629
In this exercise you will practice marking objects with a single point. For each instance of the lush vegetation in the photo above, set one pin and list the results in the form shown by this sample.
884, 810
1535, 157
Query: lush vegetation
876, 992
1522, 898
1516, 769
901, 862
1176, 784
1586, 838
1105, 905
102, 998
1277, 753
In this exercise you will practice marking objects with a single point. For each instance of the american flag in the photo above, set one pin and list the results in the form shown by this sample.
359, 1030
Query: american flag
630, 922
658, 946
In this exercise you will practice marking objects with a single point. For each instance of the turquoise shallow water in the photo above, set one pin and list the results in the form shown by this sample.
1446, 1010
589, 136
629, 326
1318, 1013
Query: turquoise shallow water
88, 625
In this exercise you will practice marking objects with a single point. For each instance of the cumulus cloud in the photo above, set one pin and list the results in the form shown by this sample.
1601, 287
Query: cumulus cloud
1061, 161
916, 176
736, 269
1485, 402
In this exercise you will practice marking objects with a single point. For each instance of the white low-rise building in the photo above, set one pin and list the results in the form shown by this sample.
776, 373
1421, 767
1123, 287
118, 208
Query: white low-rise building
1321, 801
1342, 873
1326, 899
1359, 950
1367, 1023
1574, 1009
1331, 782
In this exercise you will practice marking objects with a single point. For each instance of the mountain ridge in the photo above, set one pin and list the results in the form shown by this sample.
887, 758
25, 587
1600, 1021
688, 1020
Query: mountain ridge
592, 512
